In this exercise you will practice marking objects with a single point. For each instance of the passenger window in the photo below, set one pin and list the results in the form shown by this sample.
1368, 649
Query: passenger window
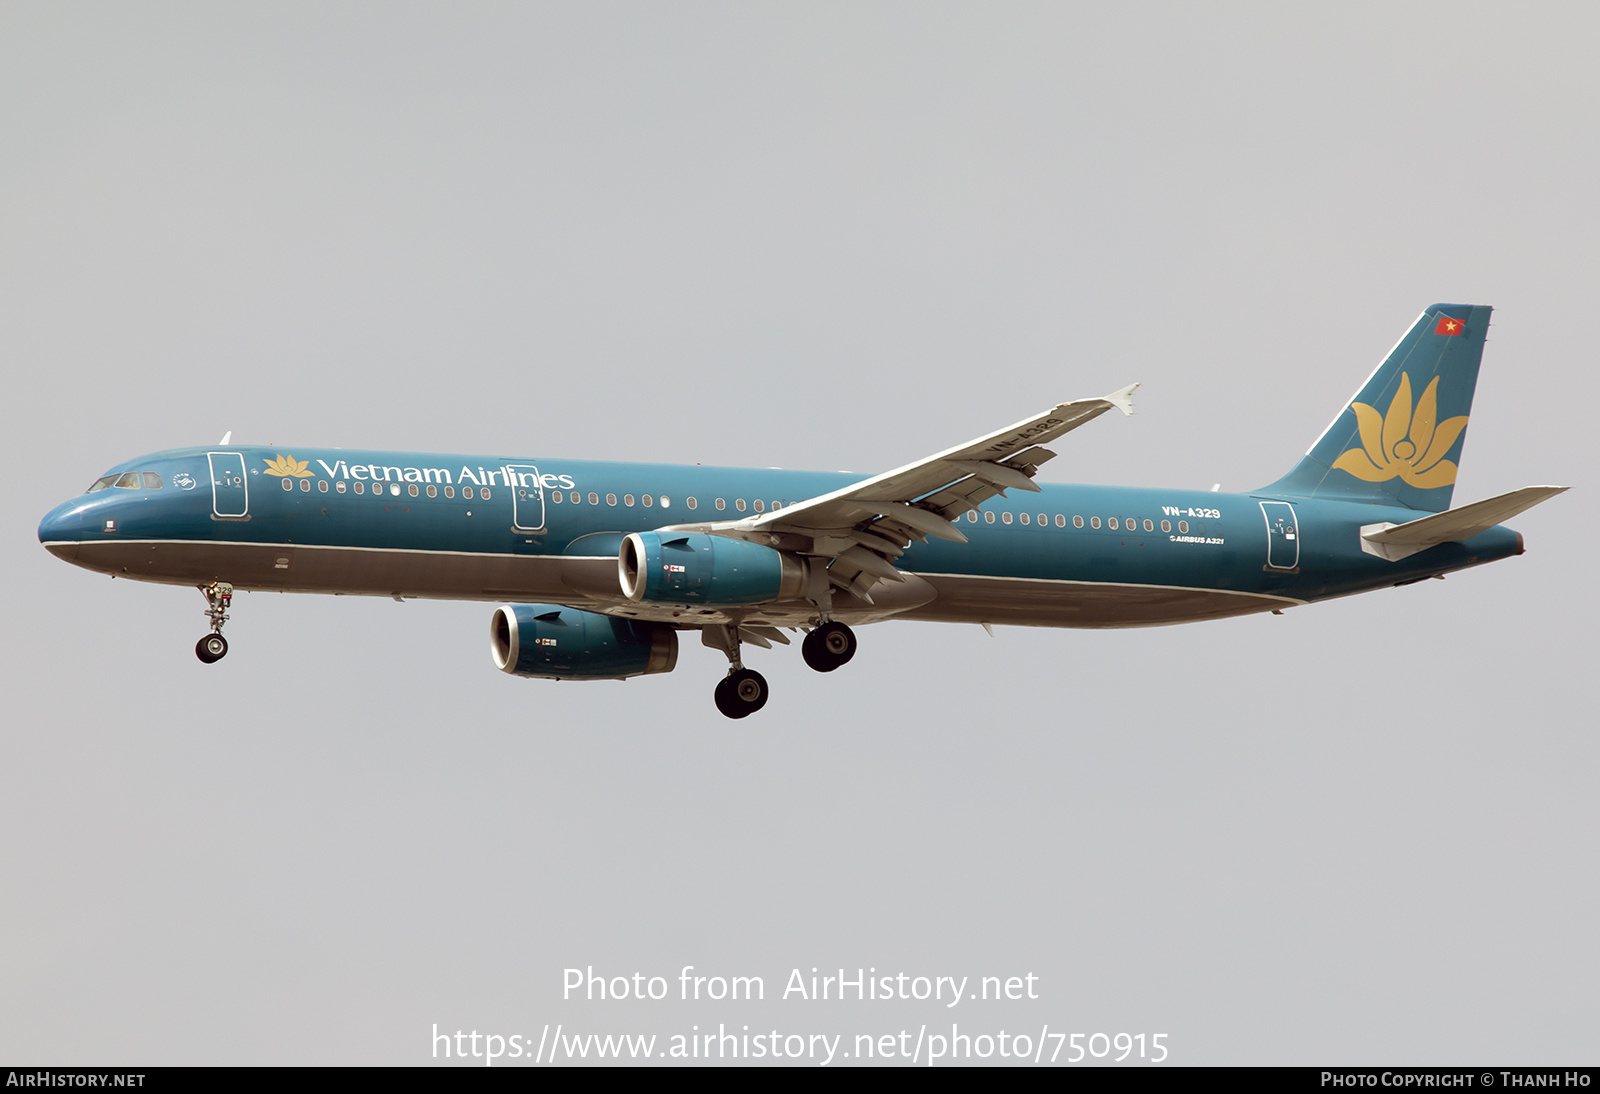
594, 499
322, 485
1149, 525
484, 492
1131, 522
759, 504
1006, 517
433, 491
627, 499
305, 486
360, 489
449, 491
129, 481
721, 505
691, 503
152, 481
340, 486
288, 484
466, 492
1043, 520
972, 516
1024, 518
611, 499
101, 484
1166, 526
1061, 521
557, 497
576, 497
988, 518
666, 502
1094, 522
1077, 521
739, 504
1112, 524
1183, 526
412, 490
648, 501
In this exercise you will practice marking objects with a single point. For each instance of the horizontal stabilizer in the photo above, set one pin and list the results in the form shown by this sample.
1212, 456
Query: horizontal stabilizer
1397, 541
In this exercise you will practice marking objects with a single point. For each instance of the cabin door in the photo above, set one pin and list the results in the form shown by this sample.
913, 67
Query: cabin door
230, 492
527, 498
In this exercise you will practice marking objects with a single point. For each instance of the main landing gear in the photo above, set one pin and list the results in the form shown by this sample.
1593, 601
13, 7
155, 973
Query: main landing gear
744, 691
741, 693
213, 647
829, 646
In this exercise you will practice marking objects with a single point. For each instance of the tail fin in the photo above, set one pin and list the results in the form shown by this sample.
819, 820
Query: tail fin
1398, 441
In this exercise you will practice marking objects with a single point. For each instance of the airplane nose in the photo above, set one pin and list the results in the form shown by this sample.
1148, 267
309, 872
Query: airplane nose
61, 529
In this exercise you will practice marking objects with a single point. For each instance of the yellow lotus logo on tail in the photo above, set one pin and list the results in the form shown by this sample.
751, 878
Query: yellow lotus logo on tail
287, 466
1404, 442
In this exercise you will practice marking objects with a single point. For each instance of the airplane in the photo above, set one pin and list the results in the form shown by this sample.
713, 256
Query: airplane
599, 567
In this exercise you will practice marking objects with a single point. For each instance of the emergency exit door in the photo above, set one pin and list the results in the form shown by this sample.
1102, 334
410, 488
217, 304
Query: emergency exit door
1283, 535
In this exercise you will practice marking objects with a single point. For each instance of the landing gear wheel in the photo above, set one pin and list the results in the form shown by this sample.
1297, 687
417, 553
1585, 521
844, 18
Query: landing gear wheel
219, 597
211, 648
741, 693
829, 646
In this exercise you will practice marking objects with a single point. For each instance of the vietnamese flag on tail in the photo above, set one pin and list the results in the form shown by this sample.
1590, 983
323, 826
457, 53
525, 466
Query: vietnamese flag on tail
1449, 326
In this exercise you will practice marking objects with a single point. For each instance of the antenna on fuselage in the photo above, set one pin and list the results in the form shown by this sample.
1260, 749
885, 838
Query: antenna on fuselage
226, 437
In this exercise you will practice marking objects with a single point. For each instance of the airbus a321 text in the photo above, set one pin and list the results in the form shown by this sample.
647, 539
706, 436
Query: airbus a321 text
603, 566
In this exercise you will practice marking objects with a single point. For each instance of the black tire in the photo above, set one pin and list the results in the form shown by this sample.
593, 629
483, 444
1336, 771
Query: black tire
829, 646
211, 649
740, 694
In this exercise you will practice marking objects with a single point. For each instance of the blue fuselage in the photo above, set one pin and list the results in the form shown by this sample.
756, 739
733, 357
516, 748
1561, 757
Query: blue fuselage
493, 528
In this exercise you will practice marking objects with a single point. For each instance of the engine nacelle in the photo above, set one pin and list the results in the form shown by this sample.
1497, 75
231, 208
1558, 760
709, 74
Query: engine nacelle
694, 568
556, 643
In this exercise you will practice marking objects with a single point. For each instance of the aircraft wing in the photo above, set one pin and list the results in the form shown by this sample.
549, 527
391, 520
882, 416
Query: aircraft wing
864, 527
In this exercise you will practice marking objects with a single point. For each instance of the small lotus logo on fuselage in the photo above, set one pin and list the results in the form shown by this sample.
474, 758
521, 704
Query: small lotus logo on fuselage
287, 466
1404, 442
183, 480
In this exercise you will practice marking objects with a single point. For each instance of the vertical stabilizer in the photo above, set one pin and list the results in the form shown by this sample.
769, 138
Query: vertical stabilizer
1398, 441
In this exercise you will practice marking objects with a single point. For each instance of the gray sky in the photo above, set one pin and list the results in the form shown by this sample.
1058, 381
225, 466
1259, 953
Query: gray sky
829, 236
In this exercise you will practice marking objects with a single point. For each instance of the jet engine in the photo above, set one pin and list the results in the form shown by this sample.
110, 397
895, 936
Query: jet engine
556, 643
693, 568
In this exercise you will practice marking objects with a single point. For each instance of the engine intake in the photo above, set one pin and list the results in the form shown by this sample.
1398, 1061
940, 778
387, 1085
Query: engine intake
694, 568
555, 643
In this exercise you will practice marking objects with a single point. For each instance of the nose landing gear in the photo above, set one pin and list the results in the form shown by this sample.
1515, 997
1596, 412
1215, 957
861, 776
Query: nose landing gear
213, 647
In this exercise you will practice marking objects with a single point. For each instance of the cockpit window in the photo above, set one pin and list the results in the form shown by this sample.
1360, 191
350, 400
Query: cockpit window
128, 480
